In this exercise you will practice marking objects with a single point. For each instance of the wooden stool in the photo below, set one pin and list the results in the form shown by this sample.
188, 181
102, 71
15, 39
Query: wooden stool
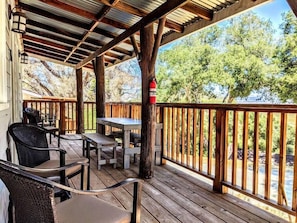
99, 142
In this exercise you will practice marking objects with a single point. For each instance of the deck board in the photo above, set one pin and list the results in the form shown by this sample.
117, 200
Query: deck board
171, 195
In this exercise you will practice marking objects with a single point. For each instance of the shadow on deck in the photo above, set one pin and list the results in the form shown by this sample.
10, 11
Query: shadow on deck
172, 195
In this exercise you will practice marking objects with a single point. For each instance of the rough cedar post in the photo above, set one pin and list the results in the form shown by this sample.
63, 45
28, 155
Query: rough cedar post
220, 150
100, 90
79, 103
148, 111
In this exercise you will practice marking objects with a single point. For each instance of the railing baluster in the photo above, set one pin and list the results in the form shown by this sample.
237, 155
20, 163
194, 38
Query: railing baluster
245, 150
256, 154
282, 160
201, 138
268, 155
234, 147
183, 142
210, 134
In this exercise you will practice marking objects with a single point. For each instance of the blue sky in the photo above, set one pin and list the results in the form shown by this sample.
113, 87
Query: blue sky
273, 11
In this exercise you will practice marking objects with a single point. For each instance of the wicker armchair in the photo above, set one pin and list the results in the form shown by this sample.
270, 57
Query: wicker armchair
32, 198
33, 116
33, 151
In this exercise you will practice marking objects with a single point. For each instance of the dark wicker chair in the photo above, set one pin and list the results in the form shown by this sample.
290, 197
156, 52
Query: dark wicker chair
33, 151
32, 200
33, 116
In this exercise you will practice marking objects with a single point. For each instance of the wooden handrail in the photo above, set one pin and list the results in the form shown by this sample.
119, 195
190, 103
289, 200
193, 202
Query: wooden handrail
222, 142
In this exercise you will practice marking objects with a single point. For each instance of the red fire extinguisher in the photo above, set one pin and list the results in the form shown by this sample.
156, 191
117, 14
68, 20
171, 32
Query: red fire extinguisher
153, 91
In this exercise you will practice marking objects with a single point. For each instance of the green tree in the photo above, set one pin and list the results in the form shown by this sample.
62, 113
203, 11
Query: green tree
285, 83
183, 71
224, 62
244, 61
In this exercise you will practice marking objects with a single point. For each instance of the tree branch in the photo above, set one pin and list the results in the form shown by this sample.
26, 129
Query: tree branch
45, 64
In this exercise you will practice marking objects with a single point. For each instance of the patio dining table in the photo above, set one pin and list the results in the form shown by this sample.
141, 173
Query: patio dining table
126, 125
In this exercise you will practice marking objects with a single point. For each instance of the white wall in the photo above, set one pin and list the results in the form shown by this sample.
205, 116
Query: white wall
10, 88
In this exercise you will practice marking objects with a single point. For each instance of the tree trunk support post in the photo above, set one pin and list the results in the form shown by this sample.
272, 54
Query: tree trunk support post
62, 122
221, 135
149, 46
80, 103
100, 90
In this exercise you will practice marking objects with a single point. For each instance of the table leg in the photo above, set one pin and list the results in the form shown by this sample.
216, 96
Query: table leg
89, 168
126, 144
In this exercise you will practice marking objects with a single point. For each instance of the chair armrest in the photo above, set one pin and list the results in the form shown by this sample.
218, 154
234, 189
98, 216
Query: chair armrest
43, 148
59, 169
137, 190
99, 191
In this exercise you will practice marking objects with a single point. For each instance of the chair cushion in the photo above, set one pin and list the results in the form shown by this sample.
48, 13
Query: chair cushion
56, 163
84, 208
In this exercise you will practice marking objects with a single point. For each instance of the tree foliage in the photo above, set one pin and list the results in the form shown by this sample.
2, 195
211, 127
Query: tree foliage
50, 79
285, 83
223, 62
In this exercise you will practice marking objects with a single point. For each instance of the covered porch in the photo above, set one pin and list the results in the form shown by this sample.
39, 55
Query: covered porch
202, 139
172, 195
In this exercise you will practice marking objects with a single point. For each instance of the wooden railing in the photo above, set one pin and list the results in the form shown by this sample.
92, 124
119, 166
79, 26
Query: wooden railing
240, 147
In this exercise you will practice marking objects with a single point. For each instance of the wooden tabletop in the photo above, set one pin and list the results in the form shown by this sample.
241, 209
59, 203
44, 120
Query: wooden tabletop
121, 123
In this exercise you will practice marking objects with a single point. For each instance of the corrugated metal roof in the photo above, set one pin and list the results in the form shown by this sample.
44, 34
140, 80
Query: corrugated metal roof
67, 26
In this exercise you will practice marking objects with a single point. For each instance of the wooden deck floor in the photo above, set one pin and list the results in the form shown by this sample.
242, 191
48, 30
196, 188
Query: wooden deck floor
171, 195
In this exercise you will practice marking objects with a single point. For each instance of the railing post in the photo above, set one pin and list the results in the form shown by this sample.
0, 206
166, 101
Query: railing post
161, 120
220, 150
25, 105
62, 118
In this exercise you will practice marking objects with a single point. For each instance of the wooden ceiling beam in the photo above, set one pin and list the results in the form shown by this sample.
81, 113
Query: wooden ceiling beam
45, 42
43, 55
197, 10
64, 20
74, 36
158, 13
124, 7
53, 50
83, 13
76, 24
240, 6
293, 5
135, 45
91, 28
54, 46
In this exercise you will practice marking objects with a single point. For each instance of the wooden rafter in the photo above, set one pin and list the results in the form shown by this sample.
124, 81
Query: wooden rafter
84, 13
91, 28
161, 11
124, 7
135, 45
241, 6
71, 35
59, 48
61, 19
293, 5
157, 44
191, 7
197, 10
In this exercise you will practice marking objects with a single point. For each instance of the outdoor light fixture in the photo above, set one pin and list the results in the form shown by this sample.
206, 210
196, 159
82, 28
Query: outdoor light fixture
24, 58
19, 19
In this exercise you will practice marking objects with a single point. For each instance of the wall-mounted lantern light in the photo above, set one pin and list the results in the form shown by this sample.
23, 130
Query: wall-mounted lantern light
19, 19
24, 58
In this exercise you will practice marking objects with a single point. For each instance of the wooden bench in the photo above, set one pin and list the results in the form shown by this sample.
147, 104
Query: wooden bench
99, 142
135, 140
